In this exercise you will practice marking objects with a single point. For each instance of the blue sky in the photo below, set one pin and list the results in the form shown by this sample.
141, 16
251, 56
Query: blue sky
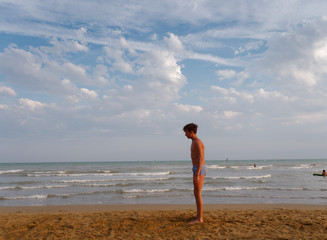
118, 80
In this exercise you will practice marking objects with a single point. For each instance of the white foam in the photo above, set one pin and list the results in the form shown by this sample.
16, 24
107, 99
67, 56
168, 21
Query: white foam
231, 188
239, 188
33, 187
27, 197
216, 167
257, 177
244, 177
7, 188
158, 190
11, 171
103, 174
303, 166
109, 180
145, 191
69, 174
142, 174
46, 187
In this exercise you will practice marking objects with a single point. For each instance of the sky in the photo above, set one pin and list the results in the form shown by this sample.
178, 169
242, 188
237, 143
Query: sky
98, 80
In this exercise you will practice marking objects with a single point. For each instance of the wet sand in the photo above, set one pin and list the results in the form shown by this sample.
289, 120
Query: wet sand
234, 221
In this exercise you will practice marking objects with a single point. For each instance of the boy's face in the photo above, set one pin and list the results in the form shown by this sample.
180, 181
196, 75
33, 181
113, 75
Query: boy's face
188, 133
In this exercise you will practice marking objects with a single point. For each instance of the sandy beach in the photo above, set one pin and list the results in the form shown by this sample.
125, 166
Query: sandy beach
263, 221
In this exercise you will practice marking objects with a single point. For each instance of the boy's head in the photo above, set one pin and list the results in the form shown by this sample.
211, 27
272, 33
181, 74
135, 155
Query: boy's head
192, 127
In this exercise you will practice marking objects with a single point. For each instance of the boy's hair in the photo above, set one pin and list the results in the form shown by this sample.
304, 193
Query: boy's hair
191, 127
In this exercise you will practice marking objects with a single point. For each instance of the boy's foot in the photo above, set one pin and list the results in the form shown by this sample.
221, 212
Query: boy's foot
196, 221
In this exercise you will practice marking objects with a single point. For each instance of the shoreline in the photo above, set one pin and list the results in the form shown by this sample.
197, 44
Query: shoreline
153, 207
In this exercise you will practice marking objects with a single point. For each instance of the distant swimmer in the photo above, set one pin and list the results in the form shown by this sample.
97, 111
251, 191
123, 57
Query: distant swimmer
324, 173
254, 165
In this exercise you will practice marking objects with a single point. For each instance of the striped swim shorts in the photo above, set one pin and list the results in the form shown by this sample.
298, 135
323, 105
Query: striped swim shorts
203, 170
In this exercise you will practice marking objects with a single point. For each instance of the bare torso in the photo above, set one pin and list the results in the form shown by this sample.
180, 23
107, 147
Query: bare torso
197, 152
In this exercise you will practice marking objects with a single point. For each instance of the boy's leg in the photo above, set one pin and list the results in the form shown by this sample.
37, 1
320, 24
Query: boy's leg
198, 199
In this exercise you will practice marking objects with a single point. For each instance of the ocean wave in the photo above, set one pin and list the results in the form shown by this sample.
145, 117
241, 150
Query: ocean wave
303, 166
11, 171
146, 191
131, 196
23, 182
232, 167
250, 167
106, 185
142, 174
72, 172
216, 167
254, 168
32, 187
240, 167
230, 188
8, 188
109, 180
257, 177
94, 174
81, 181
240, 188
243, 177
67, 195
46, 187
41, 196
68, 175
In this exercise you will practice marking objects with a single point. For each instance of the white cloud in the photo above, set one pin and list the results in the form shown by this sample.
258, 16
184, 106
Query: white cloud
297, 56
156, 81
4, 107
37, 72
232, 93
220, 90
31, 104
127, 88
320, 50
231, 114
101, 74
89, 93
68, 85
72, 99
160, 76
272, 95
139, 114
235, 127
291, 73
63, 46
188, 108
73, 71
127, 45
232, 74
174, 43
7, 91
212, 58
115, 57
249, 46
226, 74
301, 119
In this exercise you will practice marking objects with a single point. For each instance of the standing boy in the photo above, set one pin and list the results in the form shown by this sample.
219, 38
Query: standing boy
199, 167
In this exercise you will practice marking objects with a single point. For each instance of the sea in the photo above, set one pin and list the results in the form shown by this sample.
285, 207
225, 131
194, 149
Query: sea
162, 182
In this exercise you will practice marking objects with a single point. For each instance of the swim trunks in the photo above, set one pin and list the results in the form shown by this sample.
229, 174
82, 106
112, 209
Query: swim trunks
203, 170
